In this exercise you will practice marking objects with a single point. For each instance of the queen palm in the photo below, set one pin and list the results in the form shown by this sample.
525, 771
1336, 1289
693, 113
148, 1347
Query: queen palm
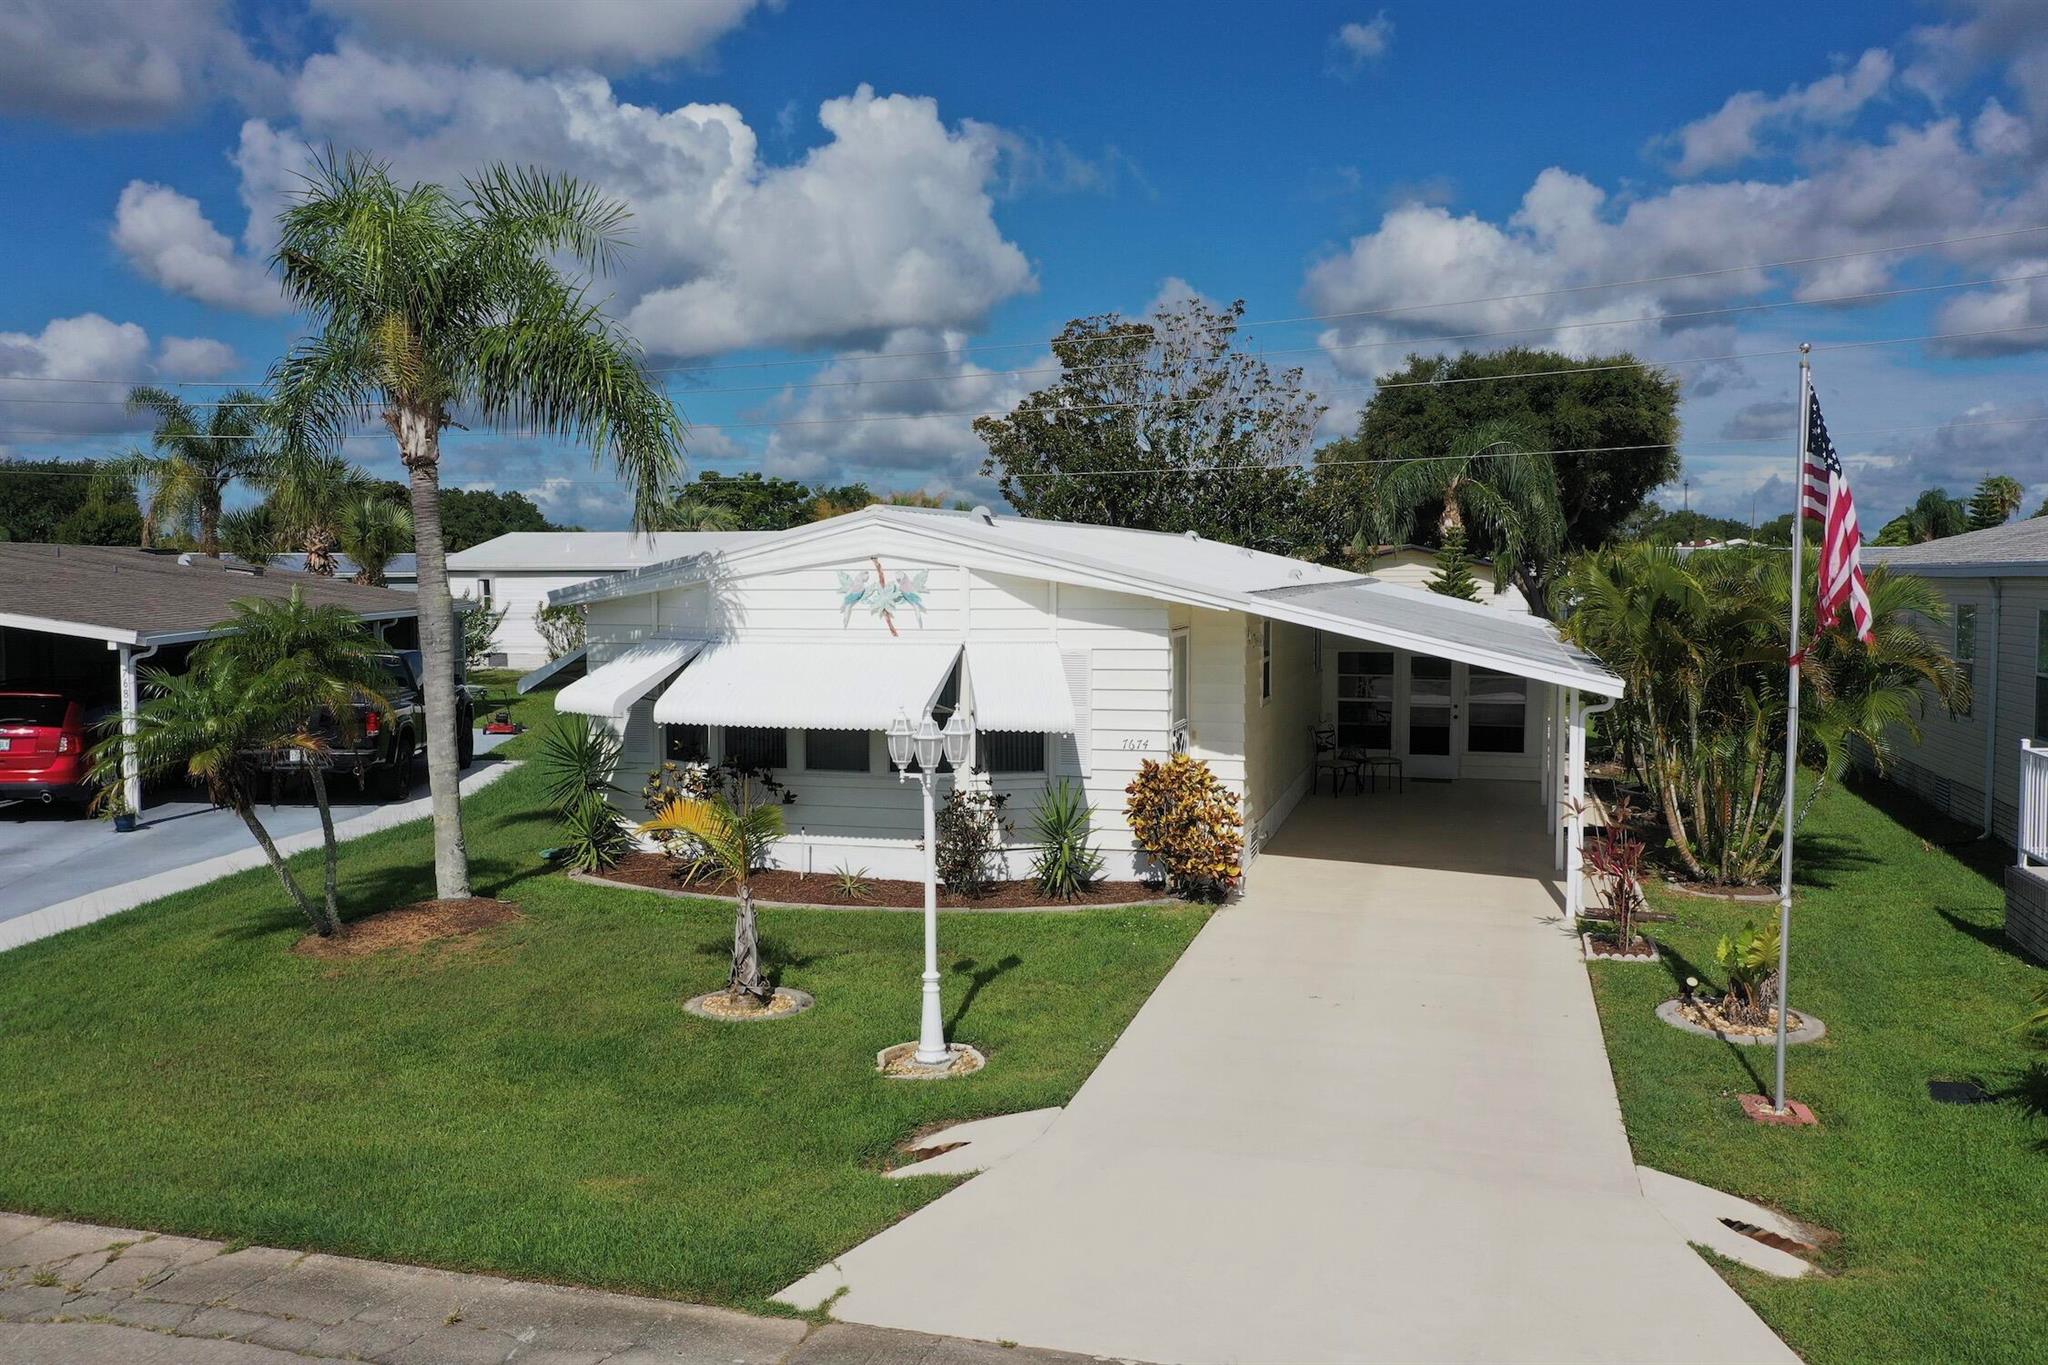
1485, 490
425, 305
193, 456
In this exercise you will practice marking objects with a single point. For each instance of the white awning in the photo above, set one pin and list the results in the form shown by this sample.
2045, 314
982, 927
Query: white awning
612, 688
828, 685
1019, 685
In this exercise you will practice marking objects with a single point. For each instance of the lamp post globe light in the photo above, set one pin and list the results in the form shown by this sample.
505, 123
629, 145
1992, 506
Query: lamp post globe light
928, 744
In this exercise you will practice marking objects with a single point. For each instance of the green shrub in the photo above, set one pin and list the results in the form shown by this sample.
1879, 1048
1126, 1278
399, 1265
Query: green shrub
594, 836
576, 757
1065, 866
1751, 957
1190, 825
971, 829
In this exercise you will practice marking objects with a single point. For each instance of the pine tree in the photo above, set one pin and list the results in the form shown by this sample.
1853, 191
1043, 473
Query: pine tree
1454, 570
1994, 502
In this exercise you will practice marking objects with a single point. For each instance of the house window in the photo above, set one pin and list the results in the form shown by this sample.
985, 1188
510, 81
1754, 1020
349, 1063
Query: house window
836, 751
753, 746
1011, 751
1496, 712
483, 592
1266, 660
1966, 651
1365, 699
2041, 676
1179, 686
686, 743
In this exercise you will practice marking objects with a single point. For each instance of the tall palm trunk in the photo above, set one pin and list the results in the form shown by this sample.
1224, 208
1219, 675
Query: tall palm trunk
419, 444
746, 951
330, 851
277, 863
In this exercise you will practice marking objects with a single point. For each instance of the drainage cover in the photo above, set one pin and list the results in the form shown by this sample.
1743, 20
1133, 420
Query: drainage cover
1766, 1236
1957, 1092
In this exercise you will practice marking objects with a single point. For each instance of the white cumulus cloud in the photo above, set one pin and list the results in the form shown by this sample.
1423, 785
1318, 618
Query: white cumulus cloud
101, 63
1359, 43
167, 237
1731, 134
43, 374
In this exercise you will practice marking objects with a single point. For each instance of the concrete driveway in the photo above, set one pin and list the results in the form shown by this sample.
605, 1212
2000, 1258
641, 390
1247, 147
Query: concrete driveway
1367, 1116
52, 856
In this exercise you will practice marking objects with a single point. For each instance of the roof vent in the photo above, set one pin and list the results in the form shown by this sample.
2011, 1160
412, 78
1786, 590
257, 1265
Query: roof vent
1192, 535
185, 560
988, 518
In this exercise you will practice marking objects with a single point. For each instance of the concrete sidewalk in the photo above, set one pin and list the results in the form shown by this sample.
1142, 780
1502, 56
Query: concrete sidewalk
1366, 1117
76, 1294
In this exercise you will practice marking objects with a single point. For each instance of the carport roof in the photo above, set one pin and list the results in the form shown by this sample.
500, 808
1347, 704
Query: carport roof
141, 596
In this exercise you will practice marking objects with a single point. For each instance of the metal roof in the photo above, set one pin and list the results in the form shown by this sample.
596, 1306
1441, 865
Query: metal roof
591, 551
2018, 549
137, 596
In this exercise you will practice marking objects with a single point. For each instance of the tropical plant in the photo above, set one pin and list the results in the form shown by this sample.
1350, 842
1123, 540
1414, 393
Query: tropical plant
374, 531
1189, 824
1934, 515
562, 629
480, 622
181, 478
576, 757
2034, 1028
594, 835
1065, 866
1453, 576
971, 828
736, 828
1994, 502
1614, 858
250, 534
689, 513
309, 493
424, 305
1701, 644
853, 883
1750, 956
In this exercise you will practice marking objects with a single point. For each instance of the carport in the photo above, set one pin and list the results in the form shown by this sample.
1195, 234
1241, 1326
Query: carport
86, 617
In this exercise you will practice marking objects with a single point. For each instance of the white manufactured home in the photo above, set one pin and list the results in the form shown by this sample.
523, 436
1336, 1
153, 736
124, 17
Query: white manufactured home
1079, 652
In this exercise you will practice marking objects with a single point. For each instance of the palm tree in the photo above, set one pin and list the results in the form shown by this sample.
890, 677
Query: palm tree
688, 513
1485, 489
308, 493
190, 463
425, 305
1934, 515
251, 534
374, 531
1995, 500
735, 829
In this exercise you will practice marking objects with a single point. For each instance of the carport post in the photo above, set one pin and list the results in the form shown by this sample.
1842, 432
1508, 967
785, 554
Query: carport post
131, 703
1575, 795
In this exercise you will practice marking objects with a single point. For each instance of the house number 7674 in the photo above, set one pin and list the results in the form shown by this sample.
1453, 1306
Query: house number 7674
1137, 744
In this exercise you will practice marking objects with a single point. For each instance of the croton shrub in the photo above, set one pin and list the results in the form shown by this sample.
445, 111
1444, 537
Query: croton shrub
1189, 824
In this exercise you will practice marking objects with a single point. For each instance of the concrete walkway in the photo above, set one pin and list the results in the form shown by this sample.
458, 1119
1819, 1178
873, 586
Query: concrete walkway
76, 1294
1367, 1116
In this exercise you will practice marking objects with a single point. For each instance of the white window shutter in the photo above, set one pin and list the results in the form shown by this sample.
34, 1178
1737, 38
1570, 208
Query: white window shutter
1075, 752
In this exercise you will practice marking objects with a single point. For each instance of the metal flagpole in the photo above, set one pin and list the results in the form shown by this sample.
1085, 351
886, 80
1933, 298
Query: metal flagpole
1792, 712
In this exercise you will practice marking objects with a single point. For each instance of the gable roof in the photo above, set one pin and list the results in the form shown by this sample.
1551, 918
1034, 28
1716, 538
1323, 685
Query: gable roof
591, 551
141, 596
1174, 568
2018, 549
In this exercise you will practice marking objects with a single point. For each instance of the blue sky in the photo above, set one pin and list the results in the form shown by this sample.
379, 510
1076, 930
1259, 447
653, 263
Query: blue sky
916, 196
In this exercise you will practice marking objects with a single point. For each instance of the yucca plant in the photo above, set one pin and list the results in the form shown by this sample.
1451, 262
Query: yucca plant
576, 757
1065, 866
735, 828
594, 835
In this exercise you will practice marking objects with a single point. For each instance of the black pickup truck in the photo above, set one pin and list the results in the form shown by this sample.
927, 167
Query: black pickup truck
389, 742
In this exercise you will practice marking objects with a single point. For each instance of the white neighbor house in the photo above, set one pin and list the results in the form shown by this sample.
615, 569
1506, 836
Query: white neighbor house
519, 569
1080, 651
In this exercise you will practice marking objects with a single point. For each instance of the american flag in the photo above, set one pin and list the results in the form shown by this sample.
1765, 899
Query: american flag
1826, 498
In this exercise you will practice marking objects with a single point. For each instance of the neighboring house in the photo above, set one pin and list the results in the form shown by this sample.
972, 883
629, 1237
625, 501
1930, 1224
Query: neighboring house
402, 572
87, 617
518, 570
1080, 652
1414, 565
1996, 585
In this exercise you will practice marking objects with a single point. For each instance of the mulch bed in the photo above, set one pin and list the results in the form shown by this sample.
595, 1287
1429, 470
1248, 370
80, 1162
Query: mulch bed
410, 927
822, 888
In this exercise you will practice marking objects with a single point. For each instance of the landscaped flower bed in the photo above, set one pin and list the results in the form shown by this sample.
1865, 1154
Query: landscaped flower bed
658, 872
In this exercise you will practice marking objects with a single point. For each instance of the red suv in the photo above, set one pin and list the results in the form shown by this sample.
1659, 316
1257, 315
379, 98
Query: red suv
42, 747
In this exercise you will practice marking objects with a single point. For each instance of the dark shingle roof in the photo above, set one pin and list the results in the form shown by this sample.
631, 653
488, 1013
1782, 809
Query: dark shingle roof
134, 595
2018, 547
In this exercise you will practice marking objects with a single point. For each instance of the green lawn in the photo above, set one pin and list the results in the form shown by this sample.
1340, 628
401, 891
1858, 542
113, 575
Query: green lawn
1942, 1211
533, 710
536, 1104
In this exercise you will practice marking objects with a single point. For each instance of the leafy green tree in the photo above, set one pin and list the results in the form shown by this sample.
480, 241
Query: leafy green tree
423, 305
1658, 525
471, 516
1994, 502
99, 521
1620, 417
1453, 576
1161, 424
374, 531
1934, 515
37, 497
194, 455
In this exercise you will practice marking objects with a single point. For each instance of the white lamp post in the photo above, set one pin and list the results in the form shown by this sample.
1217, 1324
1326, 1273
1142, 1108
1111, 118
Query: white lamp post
927, 744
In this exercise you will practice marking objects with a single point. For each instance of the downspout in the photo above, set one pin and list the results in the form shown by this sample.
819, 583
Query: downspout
1991, 712
131, 656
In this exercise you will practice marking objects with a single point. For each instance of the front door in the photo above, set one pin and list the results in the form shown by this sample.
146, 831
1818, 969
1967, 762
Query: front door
1435, 722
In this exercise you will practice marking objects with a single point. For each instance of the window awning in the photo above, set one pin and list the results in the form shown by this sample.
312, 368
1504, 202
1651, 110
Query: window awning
834, 685
611, 688
1019, 685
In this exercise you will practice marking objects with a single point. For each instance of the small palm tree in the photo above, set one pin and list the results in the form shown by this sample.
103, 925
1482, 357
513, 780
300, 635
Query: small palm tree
191, 461
686, 513
251, 534
309, 493
1934, 515
425, 305
1485, 488
735, 829
374, 531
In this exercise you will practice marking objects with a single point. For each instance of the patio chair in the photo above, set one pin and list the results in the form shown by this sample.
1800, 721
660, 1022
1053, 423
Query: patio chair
1338, 763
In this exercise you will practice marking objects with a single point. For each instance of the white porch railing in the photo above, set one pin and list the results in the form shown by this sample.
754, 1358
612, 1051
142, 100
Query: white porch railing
2033, 828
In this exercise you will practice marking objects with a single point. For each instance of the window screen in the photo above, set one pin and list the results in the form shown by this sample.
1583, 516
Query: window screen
685, 743
1365, 699
1012, 751
836, 751
1496, 712
757, 747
